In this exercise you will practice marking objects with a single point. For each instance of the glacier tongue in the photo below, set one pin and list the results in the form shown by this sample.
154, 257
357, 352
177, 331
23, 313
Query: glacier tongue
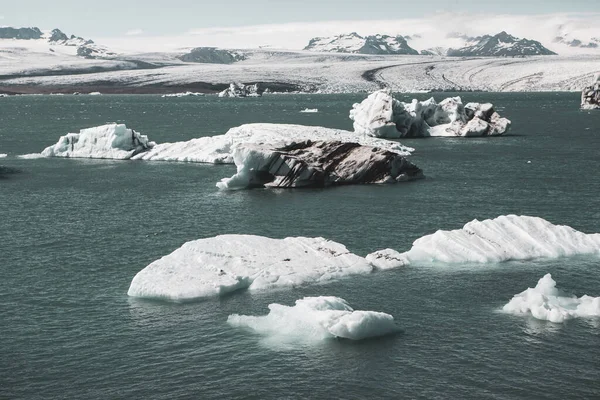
317, 318
545, 302
225, 263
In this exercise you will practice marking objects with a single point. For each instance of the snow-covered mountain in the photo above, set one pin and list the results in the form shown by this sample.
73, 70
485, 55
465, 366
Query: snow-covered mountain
212, 55
354, 43
500, 45
36, 39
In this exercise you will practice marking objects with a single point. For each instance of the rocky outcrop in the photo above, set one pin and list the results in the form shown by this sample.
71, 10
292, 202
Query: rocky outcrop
57, 36
316, 164
501, 45
380, 115
590, 96
241, 90
355, 43
212, 55
20, 33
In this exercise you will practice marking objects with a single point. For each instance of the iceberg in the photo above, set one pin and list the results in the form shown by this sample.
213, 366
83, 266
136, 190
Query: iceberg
226, 263
387, 259
112, 141
505, 238
316, 164
184, 94
380, 115
590, 96
317, 318
117, 142
546, 302
310, 110
241, 90
3, 155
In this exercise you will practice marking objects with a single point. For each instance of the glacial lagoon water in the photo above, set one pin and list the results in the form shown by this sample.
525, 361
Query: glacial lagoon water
75, 232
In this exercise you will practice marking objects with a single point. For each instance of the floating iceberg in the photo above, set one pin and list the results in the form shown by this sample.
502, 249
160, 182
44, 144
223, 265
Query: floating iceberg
546, 302
387, 259
316, 164
504, 238
112, 141
116, 141
223, 264
241, 90
318, 318
590, 96
184, 94
310, 110
95, 94
3, 155
380, 115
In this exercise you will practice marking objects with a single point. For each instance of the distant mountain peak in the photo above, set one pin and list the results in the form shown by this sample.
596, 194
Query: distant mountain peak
502, 44
357, 44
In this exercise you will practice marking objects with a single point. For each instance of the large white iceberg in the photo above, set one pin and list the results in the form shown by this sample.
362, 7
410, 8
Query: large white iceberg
317, 318
112, 141
118, 142
316, 164
381, 115
505, 238
590, 96
225, 263
241, 90
546, 302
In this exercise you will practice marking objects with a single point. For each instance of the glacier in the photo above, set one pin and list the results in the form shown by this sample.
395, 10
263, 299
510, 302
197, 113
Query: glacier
317, 318
316, 164
590, 96
114, 141
381, 115
546, 302
504, 238
226, 263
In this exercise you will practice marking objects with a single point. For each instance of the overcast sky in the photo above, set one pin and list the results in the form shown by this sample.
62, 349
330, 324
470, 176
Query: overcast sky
111, 18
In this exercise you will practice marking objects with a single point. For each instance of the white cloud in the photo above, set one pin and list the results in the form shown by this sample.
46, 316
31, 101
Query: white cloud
134, 32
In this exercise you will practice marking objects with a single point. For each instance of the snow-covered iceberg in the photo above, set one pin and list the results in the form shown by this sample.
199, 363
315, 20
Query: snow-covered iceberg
225, 263
112, 141
505, 238
546, 302
3, 155
241, 90
316, 164
380, 115
590, 96
317, 318
116, 141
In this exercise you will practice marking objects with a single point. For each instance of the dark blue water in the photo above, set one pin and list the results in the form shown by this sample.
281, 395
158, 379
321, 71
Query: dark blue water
73, 233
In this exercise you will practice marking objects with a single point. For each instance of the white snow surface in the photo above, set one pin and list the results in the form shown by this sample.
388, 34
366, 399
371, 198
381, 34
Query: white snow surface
225, 263
317, 318
546, 302
381, 115
112, 141
116, 142
505, 238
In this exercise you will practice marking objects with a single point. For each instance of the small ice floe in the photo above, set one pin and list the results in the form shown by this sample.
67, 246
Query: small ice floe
546, 302
310, 110
317, 318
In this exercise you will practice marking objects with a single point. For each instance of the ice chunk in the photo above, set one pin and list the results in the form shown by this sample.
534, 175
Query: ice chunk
387, 259
2, 155
316, 164
590, 96
112, 141
310, 110
317, 318
546, 302
222, 264
505, 238
184, 94
380, 115
241, 90
210, 149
